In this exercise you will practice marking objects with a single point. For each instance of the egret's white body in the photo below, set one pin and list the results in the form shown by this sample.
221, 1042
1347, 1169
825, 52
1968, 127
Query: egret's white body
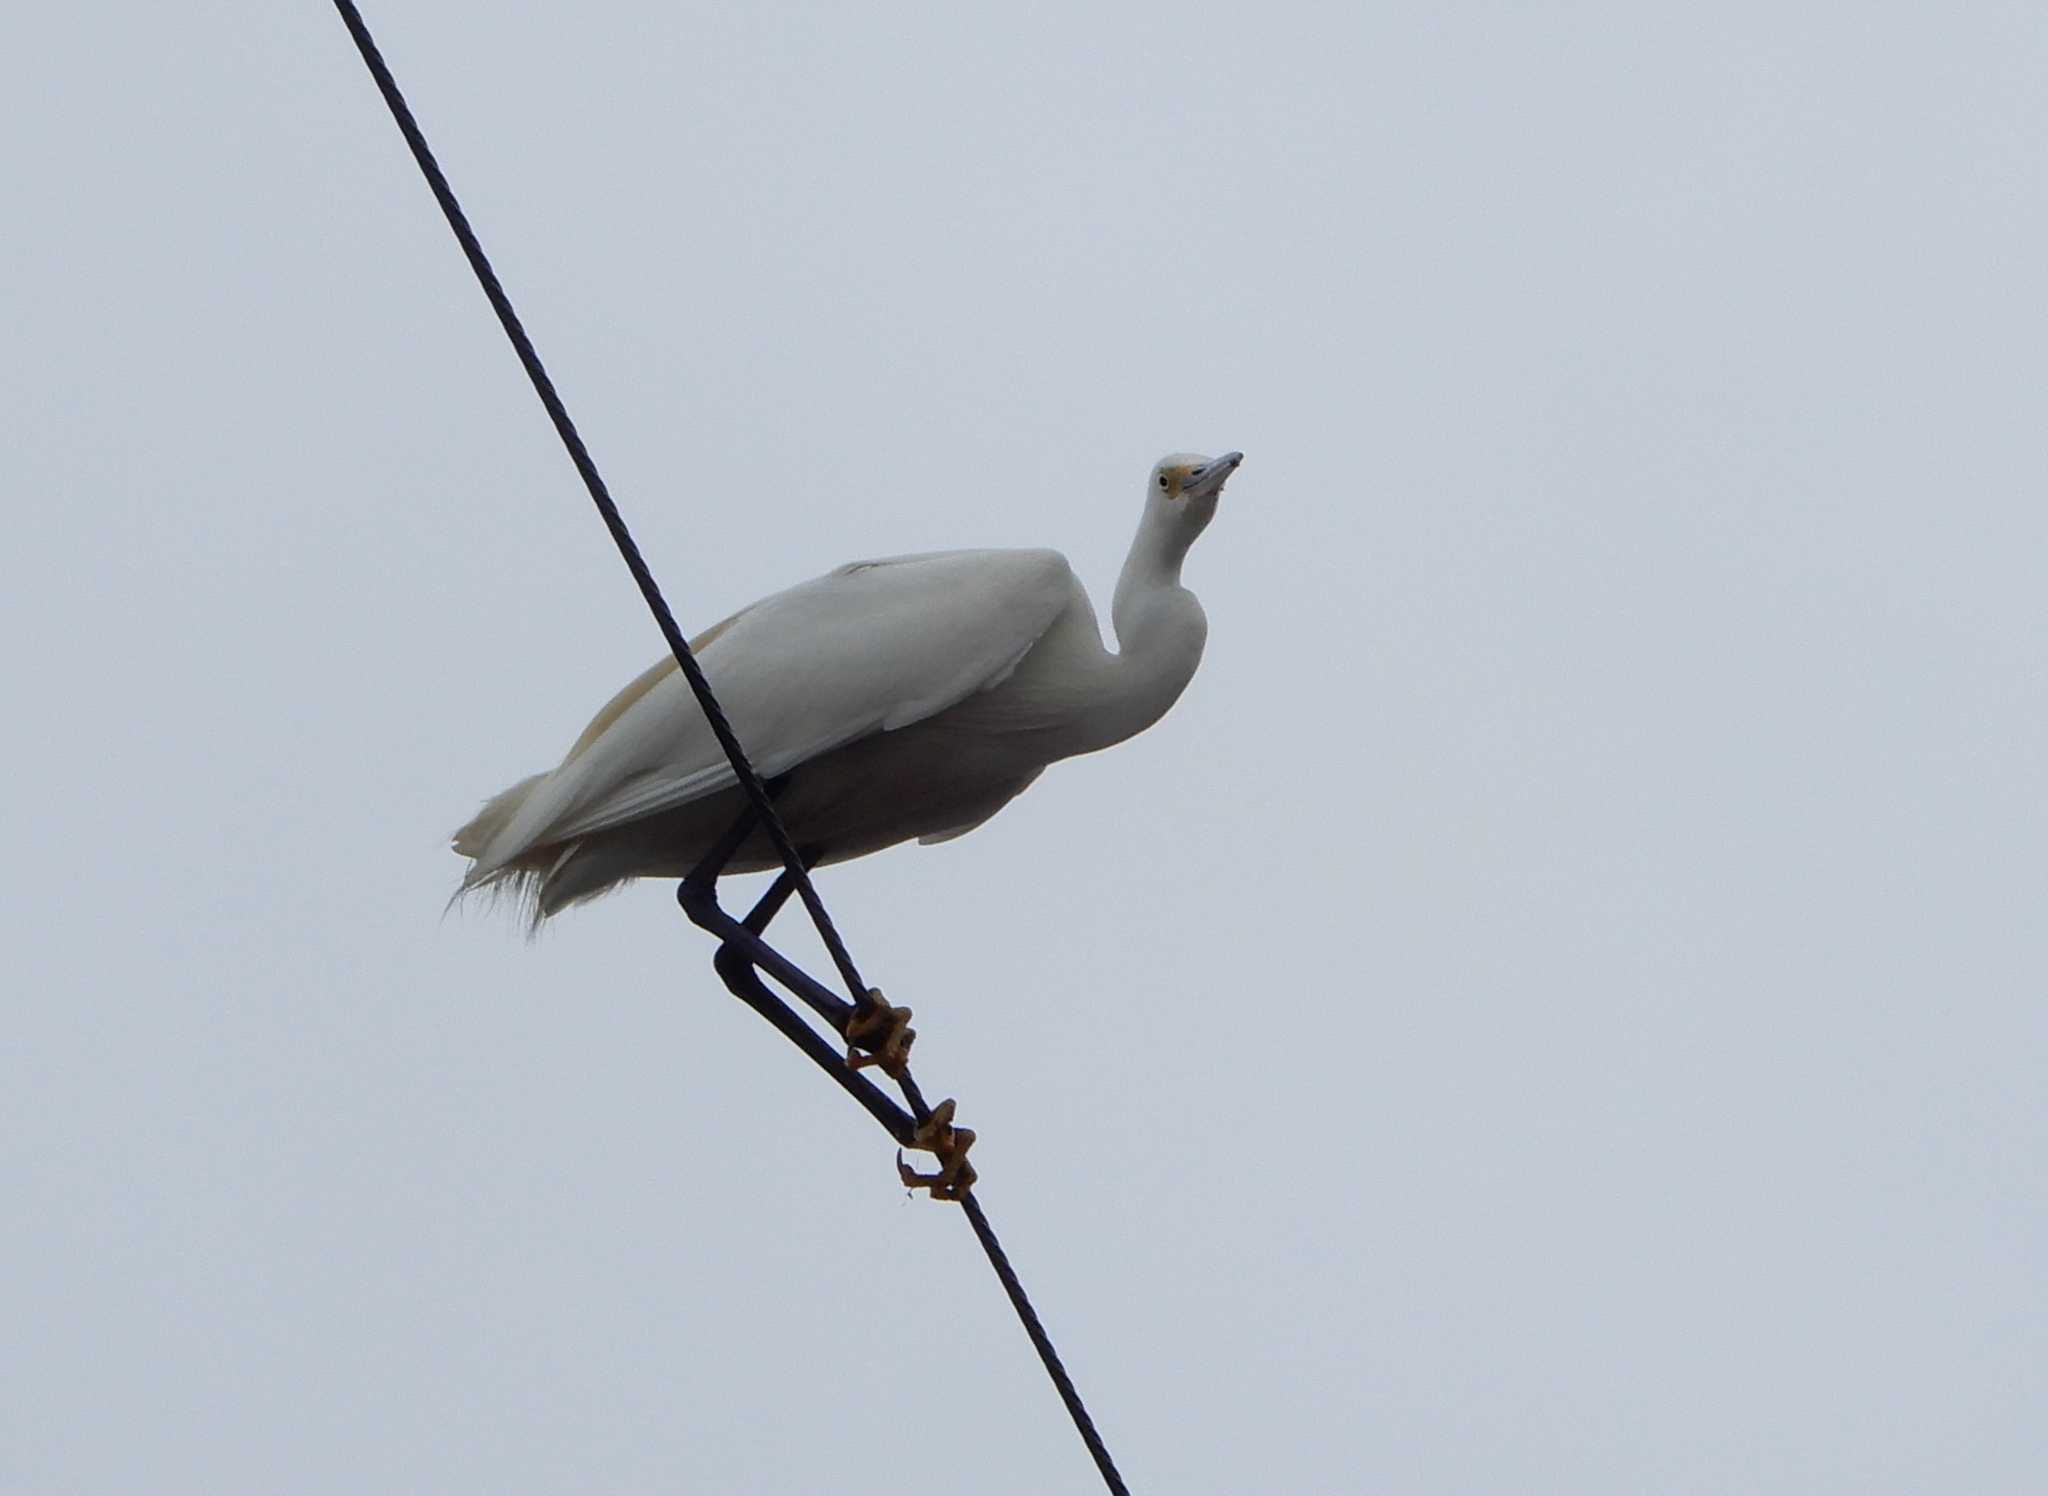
906, 697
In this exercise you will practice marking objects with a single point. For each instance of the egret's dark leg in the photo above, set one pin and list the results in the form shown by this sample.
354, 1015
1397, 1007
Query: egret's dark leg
701, 882
701, 904
777, 895
741, 940
746, 985
874, 1025
870, 1025
876, 1033
701, 879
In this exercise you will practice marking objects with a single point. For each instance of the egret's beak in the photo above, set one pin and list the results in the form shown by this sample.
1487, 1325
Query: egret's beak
1208, 479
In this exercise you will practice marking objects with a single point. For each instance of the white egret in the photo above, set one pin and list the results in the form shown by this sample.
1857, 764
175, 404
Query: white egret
908, 697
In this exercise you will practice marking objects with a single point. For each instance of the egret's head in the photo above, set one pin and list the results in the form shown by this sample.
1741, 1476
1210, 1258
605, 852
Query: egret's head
1187, 486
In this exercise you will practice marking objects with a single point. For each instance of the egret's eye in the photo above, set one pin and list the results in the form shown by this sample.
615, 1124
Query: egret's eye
1162, 480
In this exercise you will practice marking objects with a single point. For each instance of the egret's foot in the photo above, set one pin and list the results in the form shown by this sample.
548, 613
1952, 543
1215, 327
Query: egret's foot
884, 1032
949, 1144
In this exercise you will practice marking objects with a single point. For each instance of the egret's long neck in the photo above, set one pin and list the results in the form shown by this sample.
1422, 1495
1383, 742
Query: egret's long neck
1152, 568
1160, 628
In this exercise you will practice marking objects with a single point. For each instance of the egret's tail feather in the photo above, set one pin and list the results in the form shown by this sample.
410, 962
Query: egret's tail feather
520, 851
518, 877
517, 885
544, 881
471, 840
584, 870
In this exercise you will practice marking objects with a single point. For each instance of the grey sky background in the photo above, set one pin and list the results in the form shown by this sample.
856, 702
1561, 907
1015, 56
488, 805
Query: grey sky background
1557, 1007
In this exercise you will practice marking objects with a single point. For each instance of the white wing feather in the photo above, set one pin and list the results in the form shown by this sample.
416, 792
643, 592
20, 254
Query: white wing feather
871, 647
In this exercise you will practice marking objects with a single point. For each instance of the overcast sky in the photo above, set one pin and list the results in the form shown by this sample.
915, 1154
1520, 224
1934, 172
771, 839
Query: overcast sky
1559, 1005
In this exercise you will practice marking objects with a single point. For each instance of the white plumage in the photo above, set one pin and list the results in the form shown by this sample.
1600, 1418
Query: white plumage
907, 697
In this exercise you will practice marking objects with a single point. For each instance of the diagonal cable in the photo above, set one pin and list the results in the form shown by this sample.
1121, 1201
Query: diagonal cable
600, 495
757, 792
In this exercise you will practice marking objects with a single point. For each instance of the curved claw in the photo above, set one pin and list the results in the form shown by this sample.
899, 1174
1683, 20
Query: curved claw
938, 1136
884, 1032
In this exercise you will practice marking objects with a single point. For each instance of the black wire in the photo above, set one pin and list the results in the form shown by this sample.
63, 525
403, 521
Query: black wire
757, 792
1042, 1343
543, 386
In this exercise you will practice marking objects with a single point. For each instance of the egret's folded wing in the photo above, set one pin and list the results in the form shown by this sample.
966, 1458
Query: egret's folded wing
868, 648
